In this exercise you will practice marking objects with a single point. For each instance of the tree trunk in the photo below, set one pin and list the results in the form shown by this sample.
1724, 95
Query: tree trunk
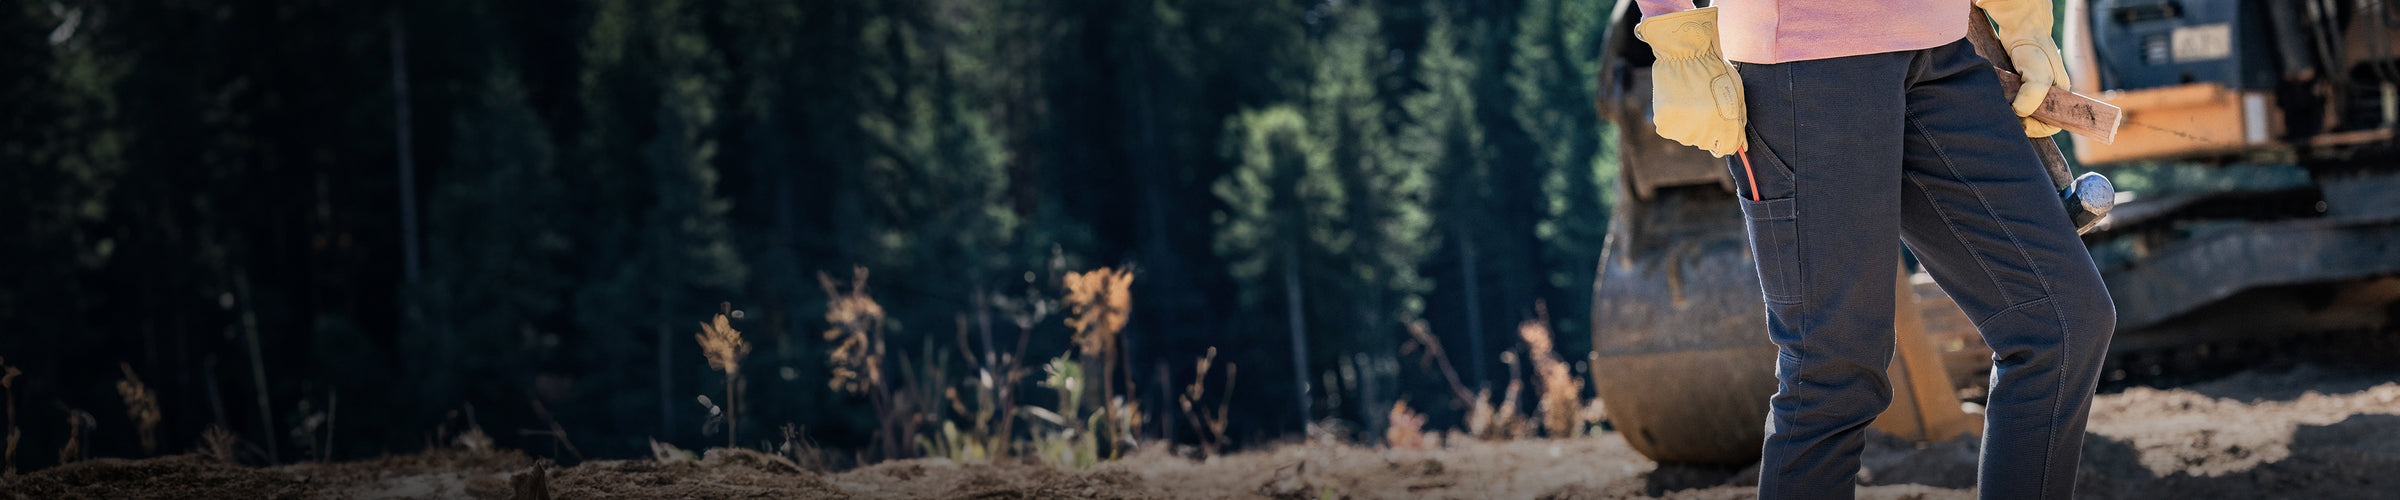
666, 386
1475, 352
407, 160
1299, 328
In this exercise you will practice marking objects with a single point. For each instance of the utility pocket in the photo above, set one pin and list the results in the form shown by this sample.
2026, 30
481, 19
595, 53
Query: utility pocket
1775, 245
1759, 172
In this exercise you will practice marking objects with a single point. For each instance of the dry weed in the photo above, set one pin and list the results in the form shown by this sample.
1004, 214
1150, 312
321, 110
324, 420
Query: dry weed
724, 348
857, 325
77, 421
1421, 338
668, 453
140, 405
800, 450
1561, 398
8, 392
1486, 421
472, 439
1099, 302
1211, 427
218, 443
557, 434
997, 374
857, 331
1407, 429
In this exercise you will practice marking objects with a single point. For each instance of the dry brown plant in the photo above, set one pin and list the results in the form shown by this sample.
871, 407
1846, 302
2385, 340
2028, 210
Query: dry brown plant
1407, 429
77, 420
1561, 398
724, 348
557, 434
1421, 338
471, 439
856, 327
1210, 427
997, 373
218, 443
1099, 302
800, 450
1487, 421
140, 405
8, 386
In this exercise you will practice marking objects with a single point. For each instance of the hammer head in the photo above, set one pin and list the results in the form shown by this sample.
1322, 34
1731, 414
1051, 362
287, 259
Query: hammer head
2088, 200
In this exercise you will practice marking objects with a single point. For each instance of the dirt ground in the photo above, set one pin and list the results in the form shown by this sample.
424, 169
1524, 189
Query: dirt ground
2299, 433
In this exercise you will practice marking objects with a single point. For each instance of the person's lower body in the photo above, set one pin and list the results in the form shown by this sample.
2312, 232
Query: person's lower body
1850, 156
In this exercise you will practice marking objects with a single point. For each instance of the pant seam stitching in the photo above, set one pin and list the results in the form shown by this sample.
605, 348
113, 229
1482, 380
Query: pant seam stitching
2010, 309
2049, 441
1799, 237
1951, 222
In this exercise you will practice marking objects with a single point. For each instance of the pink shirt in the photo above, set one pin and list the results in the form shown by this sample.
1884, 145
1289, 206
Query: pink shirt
1774, 31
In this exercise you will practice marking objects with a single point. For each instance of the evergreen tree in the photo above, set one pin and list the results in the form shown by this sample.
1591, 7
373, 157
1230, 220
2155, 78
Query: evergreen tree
1553, 69
1384, 188
498, 237
653, 226
1281, 201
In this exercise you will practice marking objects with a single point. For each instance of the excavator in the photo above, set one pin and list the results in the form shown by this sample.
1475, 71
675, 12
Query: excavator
1681, 358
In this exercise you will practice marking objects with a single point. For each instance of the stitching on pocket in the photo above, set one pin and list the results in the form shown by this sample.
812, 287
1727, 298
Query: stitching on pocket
1775, 248
1773, 159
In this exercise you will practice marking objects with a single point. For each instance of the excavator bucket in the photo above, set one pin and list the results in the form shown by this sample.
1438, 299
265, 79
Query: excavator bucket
1679, 337
1925, 407
1683, 362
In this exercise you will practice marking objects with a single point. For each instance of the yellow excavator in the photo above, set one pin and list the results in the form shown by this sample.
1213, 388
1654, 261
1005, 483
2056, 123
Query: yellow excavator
1681, 358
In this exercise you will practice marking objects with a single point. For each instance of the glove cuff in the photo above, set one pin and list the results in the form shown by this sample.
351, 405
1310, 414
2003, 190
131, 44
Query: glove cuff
2018, 19
1688, 34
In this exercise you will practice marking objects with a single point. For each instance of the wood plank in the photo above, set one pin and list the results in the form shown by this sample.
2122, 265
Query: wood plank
2076, 113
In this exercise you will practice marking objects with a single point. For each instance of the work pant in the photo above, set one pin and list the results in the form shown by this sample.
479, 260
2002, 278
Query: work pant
1850, 155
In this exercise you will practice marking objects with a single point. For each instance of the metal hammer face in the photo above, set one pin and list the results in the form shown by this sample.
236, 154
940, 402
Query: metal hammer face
2088, 200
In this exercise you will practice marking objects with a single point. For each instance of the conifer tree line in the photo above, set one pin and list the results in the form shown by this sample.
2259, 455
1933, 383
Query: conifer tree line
215, 192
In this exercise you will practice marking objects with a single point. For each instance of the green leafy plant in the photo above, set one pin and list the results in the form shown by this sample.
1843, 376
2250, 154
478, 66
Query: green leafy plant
1070, 441
925, 381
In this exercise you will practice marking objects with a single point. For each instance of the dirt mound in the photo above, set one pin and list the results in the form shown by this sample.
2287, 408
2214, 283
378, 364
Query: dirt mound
740, 475
182, 476
2189, 432
2308, 432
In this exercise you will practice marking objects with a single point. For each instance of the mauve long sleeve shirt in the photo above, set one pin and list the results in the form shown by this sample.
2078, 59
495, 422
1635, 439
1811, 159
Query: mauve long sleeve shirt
1774, 31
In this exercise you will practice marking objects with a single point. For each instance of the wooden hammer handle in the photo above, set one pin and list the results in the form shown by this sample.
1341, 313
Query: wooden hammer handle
2076, 113
1987, 44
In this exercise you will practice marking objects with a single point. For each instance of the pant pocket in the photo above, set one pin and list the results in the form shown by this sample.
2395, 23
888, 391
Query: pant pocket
1775, 245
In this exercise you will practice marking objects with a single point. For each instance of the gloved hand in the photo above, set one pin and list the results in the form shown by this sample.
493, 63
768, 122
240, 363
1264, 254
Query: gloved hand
1695, 96
2023, 27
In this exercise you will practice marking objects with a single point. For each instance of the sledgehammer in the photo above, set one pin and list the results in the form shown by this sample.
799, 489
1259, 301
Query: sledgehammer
2090, 196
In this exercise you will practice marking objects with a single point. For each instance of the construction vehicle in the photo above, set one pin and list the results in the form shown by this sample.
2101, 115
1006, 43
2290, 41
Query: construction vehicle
2313, 86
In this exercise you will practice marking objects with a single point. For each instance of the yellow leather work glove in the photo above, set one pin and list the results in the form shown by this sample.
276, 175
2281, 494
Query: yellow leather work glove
2023, 27
1695, 96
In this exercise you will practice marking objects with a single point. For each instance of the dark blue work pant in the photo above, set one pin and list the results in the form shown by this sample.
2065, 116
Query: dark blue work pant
1851, 155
